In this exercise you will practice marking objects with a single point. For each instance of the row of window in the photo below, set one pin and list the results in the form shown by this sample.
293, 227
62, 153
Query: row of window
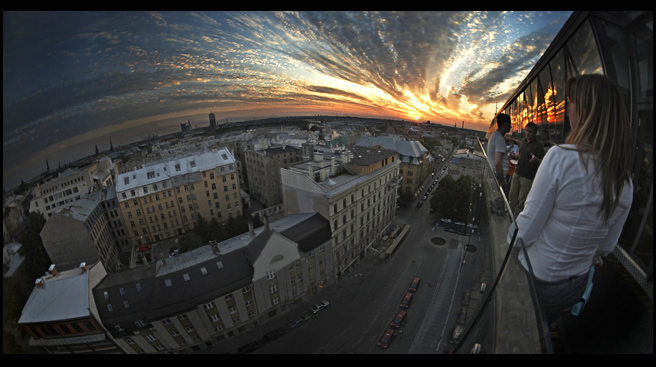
64, 329
543, 101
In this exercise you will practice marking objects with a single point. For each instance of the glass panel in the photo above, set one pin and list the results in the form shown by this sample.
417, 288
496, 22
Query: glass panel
506, 319
549, 126
557, 66
520, 112
530, 94
584, 51
541, 106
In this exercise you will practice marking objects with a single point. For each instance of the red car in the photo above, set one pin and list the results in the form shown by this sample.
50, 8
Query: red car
144, 247
405, 303
398, 319
414, 285
385, 340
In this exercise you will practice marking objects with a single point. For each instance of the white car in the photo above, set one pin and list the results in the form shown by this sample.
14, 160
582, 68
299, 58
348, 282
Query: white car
320, 306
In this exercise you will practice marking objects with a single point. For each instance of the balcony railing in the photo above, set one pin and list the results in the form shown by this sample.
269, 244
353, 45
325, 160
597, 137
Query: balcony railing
508, 318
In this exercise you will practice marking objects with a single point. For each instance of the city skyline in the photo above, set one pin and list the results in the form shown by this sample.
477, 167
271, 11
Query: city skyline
72, 80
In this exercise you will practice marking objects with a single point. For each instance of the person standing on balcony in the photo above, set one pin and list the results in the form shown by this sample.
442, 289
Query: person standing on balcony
497, 154
531, 153
581, 194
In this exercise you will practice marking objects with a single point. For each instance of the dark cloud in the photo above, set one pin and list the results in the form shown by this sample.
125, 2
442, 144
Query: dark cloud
69, 76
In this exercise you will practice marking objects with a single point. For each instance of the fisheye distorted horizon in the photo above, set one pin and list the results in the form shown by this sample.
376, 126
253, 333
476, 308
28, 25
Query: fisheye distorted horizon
72, 80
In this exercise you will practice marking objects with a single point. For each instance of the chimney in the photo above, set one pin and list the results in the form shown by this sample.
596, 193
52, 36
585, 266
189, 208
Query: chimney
83, 267
215, 246
251, 230
266, 222
39, 283
145, 261
52, 270
345, 157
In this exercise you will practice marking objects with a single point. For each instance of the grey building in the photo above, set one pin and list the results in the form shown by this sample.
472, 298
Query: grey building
356, 194
218, 291
263, 170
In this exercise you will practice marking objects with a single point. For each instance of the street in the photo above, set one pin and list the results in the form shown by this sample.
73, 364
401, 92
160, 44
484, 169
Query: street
364, 302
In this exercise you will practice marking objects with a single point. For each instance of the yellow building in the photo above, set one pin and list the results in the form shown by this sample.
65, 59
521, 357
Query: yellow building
163, 200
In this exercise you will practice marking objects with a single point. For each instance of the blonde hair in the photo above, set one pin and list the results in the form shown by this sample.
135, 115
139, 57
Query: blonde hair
602, 128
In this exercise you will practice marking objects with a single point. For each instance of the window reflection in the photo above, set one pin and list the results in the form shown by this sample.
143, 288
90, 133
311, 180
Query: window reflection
584, 51
549, 118
558, 75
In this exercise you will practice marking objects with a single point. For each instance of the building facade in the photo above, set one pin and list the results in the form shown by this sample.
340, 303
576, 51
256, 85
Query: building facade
416, 161
81, 232
71, 186
60, 314
263, 170
358, 199
163, 200
218, 291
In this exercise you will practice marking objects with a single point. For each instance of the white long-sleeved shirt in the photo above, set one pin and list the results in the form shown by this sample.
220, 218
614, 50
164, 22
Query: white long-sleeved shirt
561, 224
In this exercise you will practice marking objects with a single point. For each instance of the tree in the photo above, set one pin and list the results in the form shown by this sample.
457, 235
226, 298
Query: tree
406, 197
452, 198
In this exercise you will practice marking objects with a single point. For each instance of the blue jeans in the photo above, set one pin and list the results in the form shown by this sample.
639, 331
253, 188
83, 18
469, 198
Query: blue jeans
557, 297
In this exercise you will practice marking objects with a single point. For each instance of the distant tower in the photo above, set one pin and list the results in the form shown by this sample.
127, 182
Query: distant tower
47, 165
111, 146
212, 120
96, 148
463, 124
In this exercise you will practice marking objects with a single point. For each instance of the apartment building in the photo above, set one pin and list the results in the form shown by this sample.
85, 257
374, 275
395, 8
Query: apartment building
60, 314
416, 161
355, 192
163, 199
81, 232
70, 186
263, 170
219, 291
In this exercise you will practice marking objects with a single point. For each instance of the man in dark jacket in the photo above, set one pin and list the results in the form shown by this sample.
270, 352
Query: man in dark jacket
530, 155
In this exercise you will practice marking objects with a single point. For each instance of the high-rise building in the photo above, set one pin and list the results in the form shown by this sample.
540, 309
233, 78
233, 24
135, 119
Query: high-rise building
212, 120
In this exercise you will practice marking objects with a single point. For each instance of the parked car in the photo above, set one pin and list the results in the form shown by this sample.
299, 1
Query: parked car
144, 247
414, 285
297, 321
247, 348
457, 332
400, 317
320, 306
405, 302
386, 339
463, 315
465, 298
274, 334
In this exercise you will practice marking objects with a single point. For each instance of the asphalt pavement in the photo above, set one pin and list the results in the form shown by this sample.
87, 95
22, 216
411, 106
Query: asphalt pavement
364, 302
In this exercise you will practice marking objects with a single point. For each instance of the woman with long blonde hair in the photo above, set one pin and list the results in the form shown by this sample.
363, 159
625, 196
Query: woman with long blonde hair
581, 194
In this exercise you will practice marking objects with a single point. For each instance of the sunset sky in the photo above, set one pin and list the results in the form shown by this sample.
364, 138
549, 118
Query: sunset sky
73, 80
